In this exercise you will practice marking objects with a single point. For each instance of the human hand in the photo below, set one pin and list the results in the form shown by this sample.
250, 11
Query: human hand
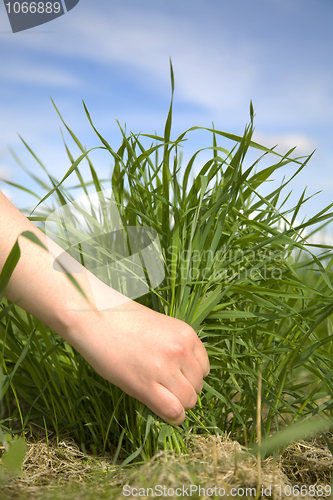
157, 359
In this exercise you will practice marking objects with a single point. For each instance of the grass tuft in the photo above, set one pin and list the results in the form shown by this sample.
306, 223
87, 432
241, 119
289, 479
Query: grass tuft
239, 268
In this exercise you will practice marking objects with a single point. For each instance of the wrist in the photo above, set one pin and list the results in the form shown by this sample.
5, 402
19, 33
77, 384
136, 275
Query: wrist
76, 318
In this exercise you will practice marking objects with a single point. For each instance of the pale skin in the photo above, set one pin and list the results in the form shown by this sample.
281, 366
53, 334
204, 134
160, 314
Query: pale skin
157, 359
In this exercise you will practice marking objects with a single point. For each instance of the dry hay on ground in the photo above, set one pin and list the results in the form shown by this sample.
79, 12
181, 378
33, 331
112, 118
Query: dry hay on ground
212, 460
308, 462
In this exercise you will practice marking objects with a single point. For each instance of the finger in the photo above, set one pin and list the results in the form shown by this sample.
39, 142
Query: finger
193, 372
182, 389
166, 405
201, 356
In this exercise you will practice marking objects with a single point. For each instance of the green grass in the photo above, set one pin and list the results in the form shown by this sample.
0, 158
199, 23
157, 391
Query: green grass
238, 269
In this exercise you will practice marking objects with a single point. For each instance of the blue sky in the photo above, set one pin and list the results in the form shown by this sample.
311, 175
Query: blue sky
115, 56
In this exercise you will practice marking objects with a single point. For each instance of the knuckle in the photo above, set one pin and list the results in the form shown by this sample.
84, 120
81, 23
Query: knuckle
185, 330
157, 365
177, 349
189, 332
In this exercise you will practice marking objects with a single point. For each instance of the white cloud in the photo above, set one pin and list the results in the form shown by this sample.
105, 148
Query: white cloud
284, 142
36, 73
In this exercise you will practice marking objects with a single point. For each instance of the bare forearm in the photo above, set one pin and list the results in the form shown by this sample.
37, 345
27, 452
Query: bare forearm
39, 288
